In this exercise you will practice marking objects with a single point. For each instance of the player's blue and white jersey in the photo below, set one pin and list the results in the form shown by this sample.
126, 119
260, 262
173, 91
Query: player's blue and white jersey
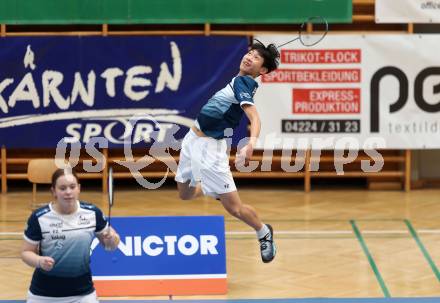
224, 109
67, 239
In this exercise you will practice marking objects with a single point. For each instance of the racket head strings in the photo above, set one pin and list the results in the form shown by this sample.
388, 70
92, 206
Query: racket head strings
311, 32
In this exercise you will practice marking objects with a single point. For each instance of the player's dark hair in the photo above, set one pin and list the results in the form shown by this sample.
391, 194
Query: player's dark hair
61, 172
270, 54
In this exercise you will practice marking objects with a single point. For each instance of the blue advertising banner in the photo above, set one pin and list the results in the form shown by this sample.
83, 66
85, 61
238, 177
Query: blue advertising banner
163, 255
141, 89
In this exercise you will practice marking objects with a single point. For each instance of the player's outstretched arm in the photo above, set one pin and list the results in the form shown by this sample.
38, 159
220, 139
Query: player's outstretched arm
246, 152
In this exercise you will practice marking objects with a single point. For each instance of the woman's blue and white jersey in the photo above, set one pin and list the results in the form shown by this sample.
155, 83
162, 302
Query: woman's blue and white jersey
224, 109
67, 239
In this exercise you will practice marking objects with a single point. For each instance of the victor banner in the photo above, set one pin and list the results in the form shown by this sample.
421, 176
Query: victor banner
134, 90
163, 256
365, 91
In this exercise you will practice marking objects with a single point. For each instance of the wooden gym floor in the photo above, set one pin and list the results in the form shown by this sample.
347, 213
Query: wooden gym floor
331, 243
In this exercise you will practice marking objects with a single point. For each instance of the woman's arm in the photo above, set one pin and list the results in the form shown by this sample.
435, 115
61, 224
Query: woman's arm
29, 255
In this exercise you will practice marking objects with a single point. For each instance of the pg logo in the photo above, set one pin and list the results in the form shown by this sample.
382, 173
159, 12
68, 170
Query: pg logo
403, 94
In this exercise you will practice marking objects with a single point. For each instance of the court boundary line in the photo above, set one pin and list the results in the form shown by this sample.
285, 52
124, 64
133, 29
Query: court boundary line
423, 249
370, 259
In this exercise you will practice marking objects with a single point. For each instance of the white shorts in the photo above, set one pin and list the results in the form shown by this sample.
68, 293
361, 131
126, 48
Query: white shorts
205, 160
90, 298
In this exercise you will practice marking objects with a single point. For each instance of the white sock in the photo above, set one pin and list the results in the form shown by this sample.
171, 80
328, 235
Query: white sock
263, 231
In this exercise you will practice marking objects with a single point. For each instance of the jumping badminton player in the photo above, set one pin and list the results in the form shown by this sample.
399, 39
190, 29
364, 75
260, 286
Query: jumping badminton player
204, 162
57, 243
